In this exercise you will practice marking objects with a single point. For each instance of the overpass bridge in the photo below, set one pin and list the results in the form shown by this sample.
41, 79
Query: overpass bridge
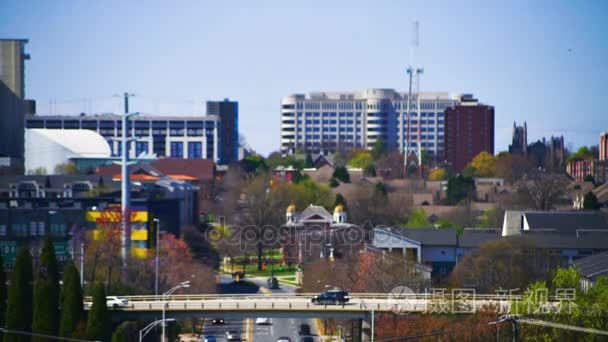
360, 306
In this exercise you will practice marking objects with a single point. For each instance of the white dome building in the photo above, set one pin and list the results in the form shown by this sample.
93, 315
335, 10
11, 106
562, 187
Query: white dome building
47, 148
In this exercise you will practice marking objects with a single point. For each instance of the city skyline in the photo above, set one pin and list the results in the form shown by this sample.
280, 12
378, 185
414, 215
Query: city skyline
529, 67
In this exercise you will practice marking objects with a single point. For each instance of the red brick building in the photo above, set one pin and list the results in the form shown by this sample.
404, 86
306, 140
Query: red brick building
469, 130
604, 146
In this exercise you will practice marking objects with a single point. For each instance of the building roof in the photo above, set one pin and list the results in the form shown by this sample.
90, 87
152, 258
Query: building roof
472, 238
58, 181
427, 236
554, 240
177, 168
593, 266
565, 222
82, 142
315, 212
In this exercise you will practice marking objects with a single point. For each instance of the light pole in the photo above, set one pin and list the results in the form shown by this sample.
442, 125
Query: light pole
157, 224
184, 284
143, 332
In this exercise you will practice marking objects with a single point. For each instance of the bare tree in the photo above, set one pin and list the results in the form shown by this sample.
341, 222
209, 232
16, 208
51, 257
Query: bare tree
541, 190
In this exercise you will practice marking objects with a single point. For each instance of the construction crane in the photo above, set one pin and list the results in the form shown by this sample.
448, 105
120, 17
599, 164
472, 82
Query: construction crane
414, 77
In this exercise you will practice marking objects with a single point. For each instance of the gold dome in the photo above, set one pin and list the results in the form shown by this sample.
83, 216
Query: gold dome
291, 208
339, 209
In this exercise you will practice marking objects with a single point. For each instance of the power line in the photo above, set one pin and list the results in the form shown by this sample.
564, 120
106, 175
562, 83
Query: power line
538, 322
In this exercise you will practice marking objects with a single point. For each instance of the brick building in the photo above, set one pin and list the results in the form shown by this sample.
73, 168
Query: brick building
469, 130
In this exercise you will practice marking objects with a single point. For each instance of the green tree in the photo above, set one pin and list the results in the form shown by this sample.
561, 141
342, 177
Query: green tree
126, 332
98, 322
334, 182
46, 293
438, 174
459, 188
582, 153
309, 162
361, 160
19, 305
254, 163
590, 201
2, 294
341, 173
369, 171
379, 149
418, 219
72, 312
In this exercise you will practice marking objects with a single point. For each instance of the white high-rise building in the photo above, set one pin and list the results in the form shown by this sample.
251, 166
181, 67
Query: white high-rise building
322, 122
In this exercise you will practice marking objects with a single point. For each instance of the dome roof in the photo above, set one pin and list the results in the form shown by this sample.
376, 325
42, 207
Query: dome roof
291, 208
339, 209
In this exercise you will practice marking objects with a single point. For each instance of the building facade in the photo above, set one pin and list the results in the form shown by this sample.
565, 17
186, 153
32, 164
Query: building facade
323, 122
187, 137
469, 130
579, 169
519, 144
604, 146
12, 102
228, 113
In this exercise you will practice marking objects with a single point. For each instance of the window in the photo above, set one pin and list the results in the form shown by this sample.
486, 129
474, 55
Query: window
2, 230
195, 150
177, 149
141, 147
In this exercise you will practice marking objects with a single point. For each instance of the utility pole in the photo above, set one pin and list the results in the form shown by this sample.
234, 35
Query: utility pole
413, 73
125, 199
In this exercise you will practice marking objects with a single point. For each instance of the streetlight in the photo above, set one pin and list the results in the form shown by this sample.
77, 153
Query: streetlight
157, 224
184, 284
143, 332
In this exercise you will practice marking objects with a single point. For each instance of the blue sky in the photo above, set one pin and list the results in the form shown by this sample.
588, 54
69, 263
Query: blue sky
540, 61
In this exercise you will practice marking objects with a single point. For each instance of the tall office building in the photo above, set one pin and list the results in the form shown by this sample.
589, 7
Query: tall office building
604, 146
469, 130
12, 103
324, 122
187, 137
228, 113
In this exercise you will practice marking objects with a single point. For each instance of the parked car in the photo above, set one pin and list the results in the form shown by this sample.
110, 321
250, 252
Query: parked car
209, 338
116, 302
262, 321
304, 329
233, 335
217, 321
284, 339
273, 283
335, 296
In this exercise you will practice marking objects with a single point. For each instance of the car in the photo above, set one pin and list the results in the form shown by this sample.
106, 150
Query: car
262, 321
304, 329
217, 321
335, 296
233, 335
283, 339
116, 302
209, 338
273, 283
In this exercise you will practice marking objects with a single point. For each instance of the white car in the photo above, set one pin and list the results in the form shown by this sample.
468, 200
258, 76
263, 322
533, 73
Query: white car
284, 339
262, 321
233, 335
116, 302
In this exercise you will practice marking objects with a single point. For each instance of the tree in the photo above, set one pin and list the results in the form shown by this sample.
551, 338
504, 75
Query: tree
379, 149
334, 183
19, 305
540, 190
459, 188
253, 164
590, 201
361, 160
438, 174
46, 293
340, 200
2, 294
512, 167
341, 173
484, 164
72, 312
582, 153
98, 322
126, 332
66, 169
418, 219
369, 171
309, 162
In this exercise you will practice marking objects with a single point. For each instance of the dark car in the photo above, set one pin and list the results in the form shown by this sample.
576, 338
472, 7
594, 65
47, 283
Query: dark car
217, 321
304, 329
331, 297
273, 283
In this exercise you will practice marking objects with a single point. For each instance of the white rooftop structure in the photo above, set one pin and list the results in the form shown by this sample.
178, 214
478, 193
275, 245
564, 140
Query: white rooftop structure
47, 148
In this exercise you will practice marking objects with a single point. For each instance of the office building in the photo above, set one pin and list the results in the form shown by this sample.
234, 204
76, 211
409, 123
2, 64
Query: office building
12, 103
323, 122
228, 113
187, 137
604, 146
469, 130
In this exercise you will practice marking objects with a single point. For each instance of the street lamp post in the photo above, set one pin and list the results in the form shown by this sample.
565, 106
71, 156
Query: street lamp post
157, 224
143, 332
184, 284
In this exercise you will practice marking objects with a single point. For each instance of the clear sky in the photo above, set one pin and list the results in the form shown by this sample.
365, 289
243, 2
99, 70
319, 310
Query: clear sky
541, 61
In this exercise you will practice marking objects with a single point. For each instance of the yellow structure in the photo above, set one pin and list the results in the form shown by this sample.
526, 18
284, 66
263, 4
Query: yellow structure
139, 227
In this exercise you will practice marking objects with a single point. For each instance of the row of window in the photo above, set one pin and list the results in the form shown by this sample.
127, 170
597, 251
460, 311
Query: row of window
34, 229
111, 124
